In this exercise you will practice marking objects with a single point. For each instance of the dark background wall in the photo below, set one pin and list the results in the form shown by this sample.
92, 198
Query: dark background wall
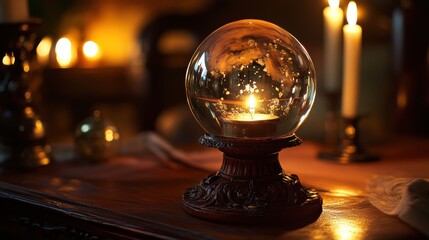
155, 74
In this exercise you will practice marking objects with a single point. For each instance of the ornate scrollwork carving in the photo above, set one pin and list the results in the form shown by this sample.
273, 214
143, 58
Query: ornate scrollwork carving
249, 146
251, 185
254, 196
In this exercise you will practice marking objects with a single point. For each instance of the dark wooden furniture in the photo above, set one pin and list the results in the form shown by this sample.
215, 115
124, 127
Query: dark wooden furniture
140, 198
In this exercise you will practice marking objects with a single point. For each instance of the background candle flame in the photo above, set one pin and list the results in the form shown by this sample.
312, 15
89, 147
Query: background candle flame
91, 50
63, 51
8, 59
334, 3
352, 13
43, 50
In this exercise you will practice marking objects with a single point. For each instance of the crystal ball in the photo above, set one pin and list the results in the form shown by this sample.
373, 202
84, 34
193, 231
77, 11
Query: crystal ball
250, 79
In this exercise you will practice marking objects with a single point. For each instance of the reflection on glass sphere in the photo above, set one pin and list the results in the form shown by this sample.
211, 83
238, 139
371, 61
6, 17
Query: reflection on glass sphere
250, 79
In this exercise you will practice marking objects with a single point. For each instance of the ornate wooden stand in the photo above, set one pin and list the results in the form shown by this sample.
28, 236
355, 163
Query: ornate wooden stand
251, 186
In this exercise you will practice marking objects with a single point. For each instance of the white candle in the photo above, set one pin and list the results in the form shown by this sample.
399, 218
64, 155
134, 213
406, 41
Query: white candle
333, 21
13, 10
352, 48
250, 124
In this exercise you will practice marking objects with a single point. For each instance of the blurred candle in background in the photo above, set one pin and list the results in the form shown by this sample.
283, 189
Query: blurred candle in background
8, 59
43, 50
352, 51
13, 10
91, 51
65, 52
333, 21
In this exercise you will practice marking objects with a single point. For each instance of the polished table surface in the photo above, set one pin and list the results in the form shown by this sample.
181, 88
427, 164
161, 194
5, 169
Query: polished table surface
140, 197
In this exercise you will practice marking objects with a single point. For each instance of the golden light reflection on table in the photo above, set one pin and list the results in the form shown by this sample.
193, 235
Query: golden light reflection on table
345, 216
342, 192
345, 229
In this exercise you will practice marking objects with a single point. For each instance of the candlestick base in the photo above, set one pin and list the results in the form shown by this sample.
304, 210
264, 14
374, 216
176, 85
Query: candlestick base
23, 142
349, 149
332, 119
251, 186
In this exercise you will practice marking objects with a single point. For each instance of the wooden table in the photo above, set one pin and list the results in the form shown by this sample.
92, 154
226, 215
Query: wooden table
140, 198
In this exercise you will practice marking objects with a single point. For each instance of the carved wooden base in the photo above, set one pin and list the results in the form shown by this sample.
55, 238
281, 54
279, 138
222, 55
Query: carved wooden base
251, 186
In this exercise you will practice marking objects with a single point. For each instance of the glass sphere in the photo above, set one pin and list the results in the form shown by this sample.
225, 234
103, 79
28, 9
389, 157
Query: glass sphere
250, 79
97, 139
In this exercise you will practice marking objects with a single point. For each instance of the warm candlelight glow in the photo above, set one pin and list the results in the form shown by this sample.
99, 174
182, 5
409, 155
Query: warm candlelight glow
8, 60
110, 135
43, 50
64, 52
346, 230
252, 117
344, 192
91, 50
334, 3
252, 104
352, 13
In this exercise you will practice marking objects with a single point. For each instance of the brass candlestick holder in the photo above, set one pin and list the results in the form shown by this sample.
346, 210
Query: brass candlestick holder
332, 119
22, 133
349, 149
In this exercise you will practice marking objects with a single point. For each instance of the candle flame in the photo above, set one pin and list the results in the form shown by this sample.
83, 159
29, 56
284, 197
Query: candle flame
43, 49
252, 104
8, 59
352, 13
63, 51
91, 50
334, 3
